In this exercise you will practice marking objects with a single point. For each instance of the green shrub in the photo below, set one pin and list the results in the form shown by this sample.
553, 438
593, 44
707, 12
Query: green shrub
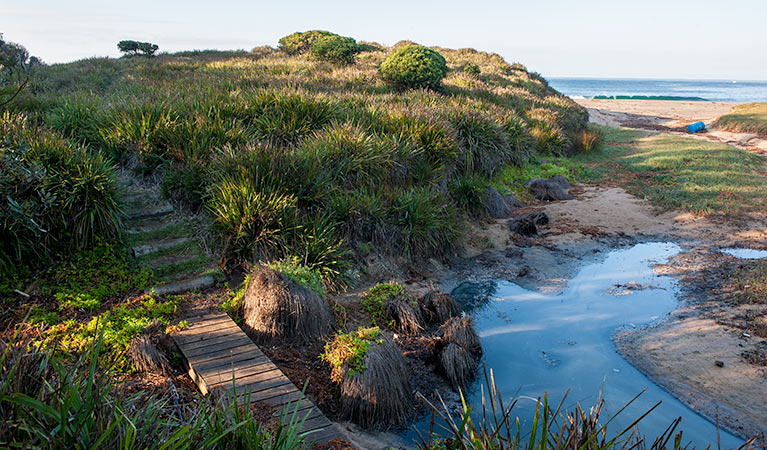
322, 251
468, 192
484, 144
335, 49
300, 42
414, 66
53, 196
283, 119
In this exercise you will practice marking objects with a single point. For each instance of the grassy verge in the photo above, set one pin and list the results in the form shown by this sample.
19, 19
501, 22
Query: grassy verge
679, 173
746, 118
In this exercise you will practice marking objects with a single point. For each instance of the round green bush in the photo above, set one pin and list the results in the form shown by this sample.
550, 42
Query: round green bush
299, 42
414, 66
335, 49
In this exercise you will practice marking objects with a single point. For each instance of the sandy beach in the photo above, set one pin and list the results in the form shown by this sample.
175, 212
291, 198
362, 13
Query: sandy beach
672, 117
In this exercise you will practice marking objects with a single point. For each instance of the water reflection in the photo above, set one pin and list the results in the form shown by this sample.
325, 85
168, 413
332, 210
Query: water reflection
549, 343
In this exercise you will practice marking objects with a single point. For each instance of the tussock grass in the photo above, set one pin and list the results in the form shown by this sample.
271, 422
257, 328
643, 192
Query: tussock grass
746, 118
267, 142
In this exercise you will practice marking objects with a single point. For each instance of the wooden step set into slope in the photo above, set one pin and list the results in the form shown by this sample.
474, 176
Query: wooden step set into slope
220, 356
163, 240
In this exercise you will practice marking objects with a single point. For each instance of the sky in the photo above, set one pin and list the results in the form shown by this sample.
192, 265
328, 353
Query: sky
702, 39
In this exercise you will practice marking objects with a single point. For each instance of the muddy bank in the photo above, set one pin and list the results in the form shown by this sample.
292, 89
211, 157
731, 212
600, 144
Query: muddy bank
680, 353
699, 352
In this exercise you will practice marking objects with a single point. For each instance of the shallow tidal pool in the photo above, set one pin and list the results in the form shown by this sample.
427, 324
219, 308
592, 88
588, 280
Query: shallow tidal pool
550, 343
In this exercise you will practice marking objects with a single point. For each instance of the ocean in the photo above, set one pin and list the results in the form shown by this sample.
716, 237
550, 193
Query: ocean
711, 90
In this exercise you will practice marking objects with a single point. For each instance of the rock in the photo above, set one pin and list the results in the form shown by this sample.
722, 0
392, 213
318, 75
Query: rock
495, 204
555, 188
513, 253
719, 363
527, 225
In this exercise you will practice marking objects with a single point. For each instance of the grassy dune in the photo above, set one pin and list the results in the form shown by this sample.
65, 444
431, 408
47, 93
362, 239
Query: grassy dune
746, 118
294, 157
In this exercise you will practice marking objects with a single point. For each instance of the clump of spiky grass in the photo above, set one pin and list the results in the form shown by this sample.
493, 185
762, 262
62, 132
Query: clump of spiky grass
439, 307
459, 350
373, 376
494, 427
278, 309
50, 402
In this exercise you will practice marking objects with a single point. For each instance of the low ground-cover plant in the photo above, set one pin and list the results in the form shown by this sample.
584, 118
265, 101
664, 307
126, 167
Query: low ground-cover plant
118, 326
677, 172
414, 66
346, 352
84, 279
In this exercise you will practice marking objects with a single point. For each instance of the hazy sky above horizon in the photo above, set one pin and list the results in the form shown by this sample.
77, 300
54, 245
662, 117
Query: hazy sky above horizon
701, 39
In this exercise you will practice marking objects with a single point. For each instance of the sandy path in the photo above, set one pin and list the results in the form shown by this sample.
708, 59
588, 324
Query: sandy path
671, 116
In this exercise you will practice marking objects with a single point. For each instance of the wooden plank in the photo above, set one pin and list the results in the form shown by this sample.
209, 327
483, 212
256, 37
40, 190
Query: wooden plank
254, 389
216, 338
325, 435
232, 352
224, 364
247, 382
221, 356
193, 333
316, 423
226, 376
268, 395
217, 345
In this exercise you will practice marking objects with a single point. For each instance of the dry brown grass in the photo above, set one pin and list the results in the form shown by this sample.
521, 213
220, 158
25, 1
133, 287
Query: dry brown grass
277, 308
379, 396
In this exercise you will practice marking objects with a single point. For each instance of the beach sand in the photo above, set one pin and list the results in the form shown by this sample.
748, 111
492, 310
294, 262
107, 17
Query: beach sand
680, 352
673, 117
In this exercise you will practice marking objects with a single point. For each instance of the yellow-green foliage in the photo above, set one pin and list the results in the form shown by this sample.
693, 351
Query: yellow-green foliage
348, 350
374, 299
746, 118
119, 325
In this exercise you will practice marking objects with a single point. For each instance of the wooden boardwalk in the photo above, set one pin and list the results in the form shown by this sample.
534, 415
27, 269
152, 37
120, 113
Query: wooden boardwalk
219, 352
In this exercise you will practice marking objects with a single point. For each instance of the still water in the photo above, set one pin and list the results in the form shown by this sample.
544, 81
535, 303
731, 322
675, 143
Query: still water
548, 343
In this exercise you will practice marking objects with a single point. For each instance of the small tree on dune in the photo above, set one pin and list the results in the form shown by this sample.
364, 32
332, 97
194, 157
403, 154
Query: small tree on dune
132, 48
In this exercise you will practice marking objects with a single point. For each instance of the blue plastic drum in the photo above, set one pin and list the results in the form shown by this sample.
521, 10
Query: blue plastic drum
695, 127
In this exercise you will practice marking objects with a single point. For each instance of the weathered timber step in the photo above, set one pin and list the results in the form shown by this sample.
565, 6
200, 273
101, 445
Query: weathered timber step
153, 211
185, 285
148, 249
220, 356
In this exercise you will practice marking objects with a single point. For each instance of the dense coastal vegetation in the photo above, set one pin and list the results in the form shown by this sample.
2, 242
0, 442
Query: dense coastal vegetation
307, 159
